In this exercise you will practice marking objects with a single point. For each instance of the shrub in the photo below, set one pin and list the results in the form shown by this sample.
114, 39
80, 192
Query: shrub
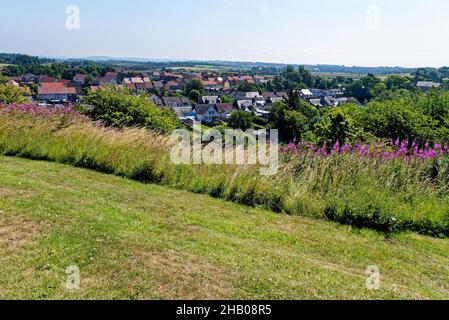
122, 109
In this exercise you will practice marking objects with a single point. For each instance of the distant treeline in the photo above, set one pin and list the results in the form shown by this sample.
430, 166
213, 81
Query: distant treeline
22, 64
22, 59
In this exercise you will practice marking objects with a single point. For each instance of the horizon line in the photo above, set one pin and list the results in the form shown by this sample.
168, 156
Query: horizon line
142, 59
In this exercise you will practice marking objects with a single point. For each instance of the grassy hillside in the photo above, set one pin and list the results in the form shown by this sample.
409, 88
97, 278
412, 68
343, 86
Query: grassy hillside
136, 241
363, 191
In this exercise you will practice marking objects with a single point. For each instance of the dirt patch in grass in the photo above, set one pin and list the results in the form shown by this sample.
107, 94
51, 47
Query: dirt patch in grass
5, 192
176, 275
17, 232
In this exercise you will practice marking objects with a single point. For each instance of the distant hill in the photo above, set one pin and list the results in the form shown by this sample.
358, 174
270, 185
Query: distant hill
261, 67
22, 59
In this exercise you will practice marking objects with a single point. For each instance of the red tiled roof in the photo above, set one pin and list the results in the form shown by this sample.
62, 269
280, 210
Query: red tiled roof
171, 84
106, 79
80, 77
55, 88
224, 106
209, 83
47, 79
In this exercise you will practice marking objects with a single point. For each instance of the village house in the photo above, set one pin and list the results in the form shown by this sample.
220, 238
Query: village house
158, 84
335, 93
210, 99
247, 79
326, 101
29, 78
55, 92
137, 84
207, 113
306, 94
156, 76
112, 74
173, 86
106, 80
248, 96
427, 85
183, 112
272, 97
246, 105
176, 102
44, 78
225, 110
210, 84
80, 79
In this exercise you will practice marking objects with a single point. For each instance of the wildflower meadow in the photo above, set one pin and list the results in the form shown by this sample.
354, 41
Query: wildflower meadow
390, 186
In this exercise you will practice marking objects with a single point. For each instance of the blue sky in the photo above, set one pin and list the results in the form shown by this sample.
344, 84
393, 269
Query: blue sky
350, 32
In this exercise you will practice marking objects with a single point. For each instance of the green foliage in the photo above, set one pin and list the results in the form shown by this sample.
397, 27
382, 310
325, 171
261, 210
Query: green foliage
292, 124
249, 87
10, 94
194, 85
57, 70
338, 124
22, 59
122, 109
194, 95
3, 79
400, 118
227, 99
421, 117
365, 89
396, 82
364, 192
241, 119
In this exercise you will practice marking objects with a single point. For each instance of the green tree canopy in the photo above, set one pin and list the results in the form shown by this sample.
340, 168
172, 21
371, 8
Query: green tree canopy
121, 109
11, 94
241, 119
194, 84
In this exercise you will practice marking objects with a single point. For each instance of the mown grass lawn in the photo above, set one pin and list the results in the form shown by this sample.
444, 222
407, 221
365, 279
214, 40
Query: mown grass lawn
136, 241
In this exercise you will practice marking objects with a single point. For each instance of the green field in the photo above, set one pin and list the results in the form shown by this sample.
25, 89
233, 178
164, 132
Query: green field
355, 76
137, 241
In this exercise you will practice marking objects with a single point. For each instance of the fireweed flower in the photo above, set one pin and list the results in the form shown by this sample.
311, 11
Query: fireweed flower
39, 111
395, 150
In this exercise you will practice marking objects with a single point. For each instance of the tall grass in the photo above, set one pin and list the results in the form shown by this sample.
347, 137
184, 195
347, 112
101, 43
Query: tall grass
388, 196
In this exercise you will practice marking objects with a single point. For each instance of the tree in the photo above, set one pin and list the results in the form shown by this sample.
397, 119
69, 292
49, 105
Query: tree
248, 87
364, 89
3, 79
400, 119
337, 125
11, 94
241, 119
292, 125
302, 106
227, 99
194, 84
396, 82
121, 109
194, 95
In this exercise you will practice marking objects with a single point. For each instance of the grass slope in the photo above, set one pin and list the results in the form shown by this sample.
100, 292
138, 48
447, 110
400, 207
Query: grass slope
136, 241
